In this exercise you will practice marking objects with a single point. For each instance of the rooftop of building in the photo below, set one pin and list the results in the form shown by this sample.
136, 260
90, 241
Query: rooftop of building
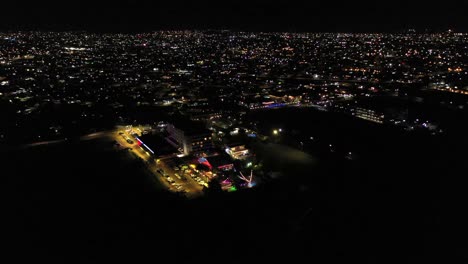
190, 128
219, 160
157, 144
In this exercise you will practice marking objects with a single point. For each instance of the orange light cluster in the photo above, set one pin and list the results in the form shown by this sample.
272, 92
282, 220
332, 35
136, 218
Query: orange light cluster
455, 70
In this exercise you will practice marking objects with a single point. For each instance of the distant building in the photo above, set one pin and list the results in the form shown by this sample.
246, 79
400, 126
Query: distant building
370, 115
205, 116
190, 137
378, 110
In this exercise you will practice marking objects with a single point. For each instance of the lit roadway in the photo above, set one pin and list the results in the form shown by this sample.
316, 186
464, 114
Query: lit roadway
192, 188
188, 184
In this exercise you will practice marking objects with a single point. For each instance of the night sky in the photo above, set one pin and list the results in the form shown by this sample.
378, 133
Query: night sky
254, 15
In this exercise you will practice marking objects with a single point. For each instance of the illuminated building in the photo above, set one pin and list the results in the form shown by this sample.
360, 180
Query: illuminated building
144, 146
378, 109
370, 115
220, 162
190, 137
237, 151
154, 145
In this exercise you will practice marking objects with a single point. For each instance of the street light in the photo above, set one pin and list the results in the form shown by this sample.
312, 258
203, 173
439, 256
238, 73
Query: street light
275, 132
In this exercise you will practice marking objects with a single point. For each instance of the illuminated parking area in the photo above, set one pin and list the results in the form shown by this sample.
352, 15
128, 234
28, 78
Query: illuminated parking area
174, 181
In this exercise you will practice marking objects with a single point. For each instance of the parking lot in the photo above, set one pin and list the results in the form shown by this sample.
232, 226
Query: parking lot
170, 172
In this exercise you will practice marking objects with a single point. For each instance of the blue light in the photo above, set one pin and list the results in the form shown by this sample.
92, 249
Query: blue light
276, 105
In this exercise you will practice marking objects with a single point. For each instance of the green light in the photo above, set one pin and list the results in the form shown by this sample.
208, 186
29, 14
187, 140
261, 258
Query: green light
232, 189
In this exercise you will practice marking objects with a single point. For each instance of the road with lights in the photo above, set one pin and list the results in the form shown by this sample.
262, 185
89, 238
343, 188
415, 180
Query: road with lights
158, 167
163, 173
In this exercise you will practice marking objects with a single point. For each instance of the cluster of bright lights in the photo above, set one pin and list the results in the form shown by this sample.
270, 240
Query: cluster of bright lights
277, 131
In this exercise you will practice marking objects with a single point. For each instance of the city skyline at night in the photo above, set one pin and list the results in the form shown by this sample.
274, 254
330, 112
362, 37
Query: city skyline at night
244, 132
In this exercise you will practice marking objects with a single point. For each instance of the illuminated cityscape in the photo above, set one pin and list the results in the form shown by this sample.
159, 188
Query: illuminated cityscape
209, 76
262, 134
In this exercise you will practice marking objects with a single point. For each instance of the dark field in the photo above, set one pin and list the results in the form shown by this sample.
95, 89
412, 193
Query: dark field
84, 203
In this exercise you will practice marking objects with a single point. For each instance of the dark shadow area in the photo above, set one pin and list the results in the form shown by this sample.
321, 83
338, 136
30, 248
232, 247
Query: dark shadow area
82, 202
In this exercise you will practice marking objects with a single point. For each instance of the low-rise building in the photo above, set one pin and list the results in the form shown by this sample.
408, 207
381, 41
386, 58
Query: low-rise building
237, 151
370, 115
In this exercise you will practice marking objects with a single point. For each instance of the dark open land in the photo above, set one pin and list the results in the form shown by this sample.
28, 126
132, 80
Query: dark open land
84, 202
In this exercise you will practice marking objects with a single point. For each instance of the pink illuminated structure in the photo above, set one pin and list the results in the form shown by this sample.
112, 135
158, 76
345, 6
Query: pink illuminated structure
247, 180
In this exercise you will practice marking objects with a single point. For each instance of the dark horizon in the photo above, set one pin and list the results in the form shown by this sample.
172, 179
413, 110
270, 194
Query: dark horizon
101, 30
290, 16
